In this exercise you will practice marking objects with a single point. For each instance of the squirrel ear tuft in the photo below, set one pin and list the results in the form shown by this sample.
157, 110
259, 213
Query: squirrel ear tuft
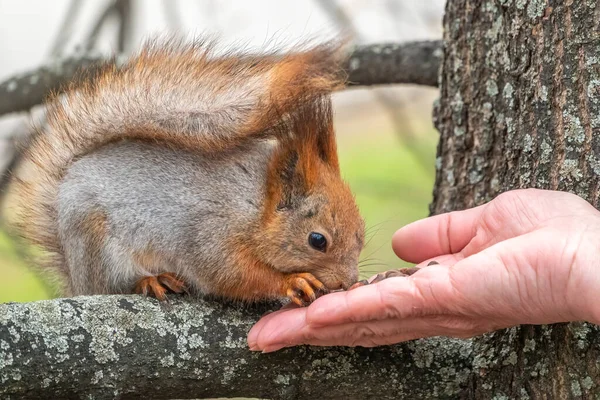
325, 141
315, 138
299, 159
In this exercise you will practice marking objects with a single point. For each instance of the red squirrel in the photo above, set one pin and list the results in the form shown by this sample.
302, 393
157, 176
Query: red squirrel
184, 170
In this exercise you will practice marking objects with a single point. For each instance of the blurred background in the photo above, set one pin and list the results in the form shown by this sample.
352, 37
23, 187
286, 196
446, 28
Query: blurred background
385, 135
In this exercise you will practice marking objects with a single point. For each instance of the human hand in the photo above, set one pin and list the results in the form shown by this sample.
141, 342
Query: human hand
527, 257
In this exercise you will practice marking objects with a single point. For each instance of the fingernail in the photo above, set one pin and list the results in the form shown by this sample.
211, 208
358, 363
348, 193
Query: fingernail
273, 348
254, 347
360, 283
290, 306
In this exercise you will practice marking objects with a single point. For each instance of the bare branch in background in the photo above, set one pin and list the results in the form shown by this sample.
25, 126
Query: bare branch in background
26, 90
18, 135
124, 11
23, 91
394, 106
106, 347
66, 28
172, 14
121, 9
92, 37
415, 63
340, 17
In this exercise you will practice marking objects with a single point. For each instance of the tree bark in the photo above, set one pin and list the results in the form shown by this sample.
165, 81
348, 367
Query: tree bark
520, 107
130, 347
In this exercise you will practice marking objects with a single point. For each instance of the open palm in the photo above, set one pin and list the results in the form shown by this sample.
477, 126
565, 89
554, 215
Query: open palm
528, 256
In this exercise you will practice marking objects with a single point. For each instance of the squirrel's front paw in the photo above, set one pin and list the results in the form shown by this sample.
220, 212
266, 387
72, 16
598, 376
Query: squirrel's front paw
303, 289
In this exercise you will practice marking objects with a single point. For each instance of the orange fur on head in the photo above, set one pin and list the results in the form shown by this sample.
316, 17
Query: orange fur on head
306, 194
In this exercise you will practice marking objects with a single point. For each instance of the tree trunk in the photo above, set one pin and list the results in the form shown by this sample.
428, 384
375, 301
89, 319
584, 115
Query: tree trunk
520, 107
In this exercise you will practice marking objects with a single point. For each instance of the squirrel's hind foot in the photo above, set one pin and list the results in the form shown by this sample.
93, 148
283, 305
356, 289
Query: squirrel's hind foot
158, 286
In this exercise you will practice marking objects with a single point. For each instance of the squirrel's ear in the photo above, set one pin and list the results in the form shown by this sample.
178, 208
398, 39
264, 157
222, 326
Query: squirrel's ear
284, 184
292, 174
315, 137
301, 154
326, 144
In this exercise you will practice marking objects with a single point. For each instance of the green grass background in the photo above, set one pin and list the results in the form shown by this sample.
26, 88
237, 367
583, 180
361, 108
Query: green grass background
392, 189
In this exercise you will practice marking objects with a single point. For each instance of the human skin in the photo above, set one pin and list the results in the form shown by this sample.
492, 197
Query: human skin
527, 257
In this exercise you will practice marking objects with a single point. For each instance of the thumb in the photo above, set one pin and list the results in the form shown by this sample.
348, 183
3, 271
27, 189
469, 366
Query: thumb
435, 236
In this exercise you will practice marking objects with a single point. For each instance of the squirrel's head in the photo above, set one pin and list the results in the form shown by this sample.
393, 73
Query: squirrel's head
311, 222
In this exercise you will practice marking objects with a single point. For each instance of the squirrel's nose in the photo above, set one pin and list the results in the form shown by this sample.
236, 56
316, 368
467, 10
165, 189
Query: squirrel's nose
336, 285
340, 280
352, 279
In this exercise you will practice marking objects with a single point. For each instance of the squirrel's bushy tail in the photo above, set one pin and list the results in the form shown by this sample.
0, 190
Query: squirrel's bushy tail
172, 92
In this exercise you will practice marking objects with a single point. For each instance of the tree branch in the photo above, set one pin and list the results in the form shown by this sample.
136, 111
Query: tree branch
133, 347
408, 63
23, 91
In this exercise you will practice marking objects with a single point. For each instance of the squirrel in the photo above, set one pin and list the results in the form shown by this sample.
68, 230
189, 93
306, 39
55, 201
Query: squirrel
187, 171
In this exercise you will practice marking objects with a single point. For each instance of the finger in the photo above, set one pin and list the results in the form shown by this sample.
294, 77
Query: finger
366, 334
392, 298
264, 321
268, 329
373, 333
435, 236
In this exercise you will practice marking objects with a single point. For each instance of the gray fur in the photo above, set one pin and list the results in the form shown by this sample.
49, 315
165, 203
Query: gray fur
170, 200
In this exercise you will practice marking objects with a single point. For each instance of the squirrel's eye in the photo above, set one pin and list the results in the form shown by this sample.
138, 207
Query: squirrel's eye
317, 241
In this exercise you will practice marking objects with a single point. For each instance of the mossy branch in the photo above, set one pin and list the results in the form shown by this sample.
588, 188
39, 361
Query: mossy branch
132, 347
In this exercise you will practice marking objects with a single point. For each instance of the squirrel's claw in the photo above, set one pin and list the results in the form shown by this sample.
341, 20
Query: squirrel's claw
303, 289
173, 283
157, 286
